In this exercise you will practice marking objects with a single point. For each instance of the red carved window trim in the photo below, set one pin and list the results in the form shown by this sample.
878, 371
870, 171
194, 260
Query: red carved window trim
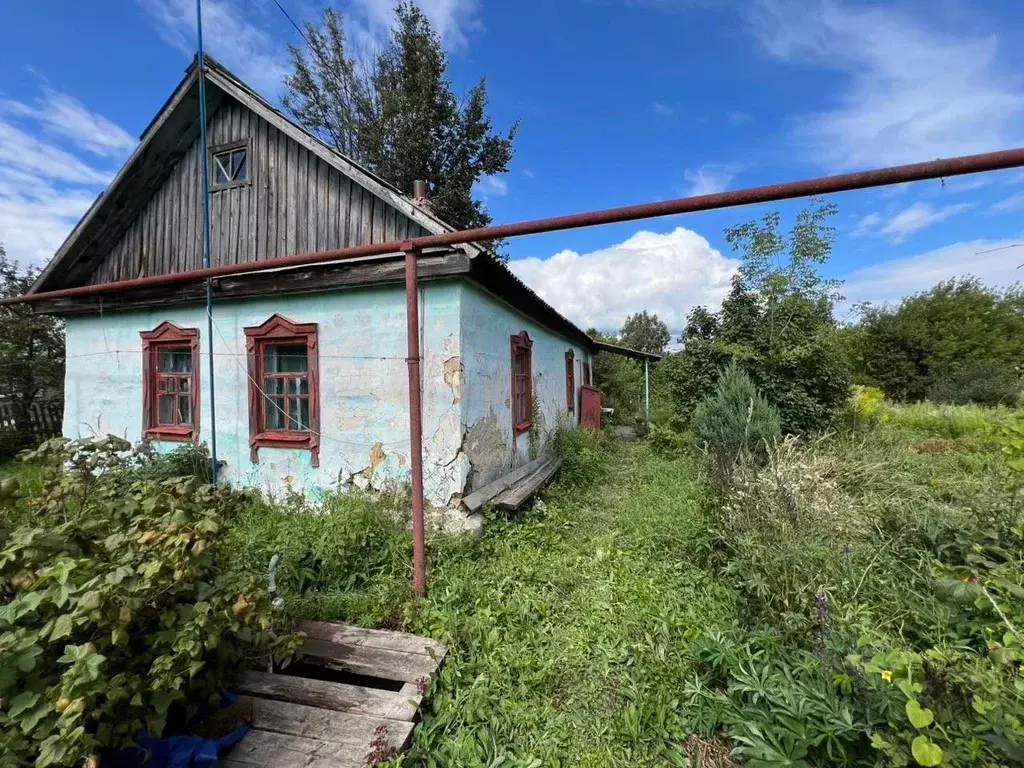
160, 382
279, 389
522, 381
570, 380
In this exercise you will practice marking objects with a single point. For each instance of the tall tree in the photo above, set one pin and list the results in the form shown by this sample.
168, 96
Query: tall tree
31, 350
776, 324
398, 114
645, 332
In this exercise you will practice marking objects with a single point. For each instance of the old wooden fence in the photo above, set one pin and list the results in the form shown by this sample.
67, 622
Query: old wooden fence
44, 418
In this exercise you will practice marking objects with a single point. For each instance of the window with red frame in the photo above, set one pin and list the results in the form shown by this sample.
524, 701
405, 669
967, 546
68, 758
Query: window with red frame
586, 374
570, 380
283, 394
170, 377
522, 396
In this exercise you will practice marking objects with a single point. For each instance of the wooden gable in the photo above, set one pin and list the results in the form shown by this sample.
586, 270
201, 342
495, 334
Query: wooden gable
293, 202
300, 196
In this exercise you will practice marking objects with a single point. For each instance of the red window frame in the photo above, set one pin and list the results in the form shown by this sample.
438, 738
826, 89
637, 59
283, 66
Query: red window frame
164, 336
570, 380
522, 383
281, 330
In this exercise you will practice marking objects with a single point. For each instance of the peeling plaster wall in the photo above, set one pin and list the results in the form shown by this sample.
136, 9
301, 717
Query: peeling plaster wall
489, 444
364, 415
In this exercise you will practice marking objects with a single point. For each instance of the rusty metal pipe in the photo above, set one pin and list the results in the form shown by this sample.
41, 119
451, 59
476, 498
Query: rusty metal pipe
412, 316
933, 169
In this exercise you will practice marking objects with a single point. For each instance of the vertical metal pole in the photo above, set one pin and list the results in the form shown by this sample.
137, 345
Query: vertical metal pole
206, 234
412, 314
647, 391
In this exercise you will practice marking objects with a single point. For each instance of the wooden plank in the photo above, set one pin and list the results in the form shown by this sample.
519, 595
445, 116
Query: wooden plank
384, 639
355, 731
528, 487
481, 496
276, 750
375, 662
328, 695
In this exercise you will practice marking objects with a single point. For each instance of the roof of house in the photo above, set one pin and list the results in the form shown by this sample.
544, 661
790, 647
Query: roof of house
176, 125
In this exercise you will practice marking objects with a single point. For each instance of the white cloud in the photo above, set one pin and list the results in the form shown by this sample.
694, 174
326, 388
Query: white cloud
735, 117
44, 187
889, 281
64, 116
529, 174
230, 35
1009, 204
911, 92
710, 178
665, 273
661, 109
492, 186
899, 227
453, 20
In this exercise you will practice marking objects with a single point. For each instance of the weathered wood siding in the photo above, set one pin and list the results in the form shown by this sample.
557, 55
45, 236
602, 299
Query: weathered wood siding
294, 203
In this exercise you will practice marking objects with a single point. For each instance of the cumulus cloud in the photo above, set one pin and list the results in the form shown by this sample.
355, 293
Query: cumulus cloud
994, 262
910, 92
710, 178
661, 109
665, 273
899, 227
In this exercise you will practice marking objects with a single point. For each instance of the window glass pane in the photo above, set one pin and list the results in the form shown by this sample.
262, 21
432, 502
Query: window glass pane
161, 385
174, 360
274, 416
239, 170
273, 386
284, 358
220, 170
298, 386
299, 413
520, 363
165, 409
184, 409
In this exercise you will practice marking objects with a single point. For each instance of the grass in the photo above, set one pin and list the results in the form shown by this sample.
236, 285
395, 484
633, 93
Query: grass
574, 630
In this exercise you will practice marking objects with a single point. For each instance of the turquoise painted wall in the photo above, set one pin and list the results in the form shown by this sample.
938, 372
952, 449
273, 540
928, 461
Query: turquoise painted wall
489, 443
363, 383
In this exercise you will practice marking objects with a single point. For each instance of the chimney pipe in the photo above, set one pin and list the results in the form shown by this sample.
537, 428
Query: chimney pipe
420, 192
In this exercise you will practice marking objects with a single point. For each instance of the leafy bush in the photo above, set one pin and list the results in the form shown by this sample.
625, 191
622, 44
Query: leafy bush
983, 383
584, 456
866, 407
117, 612
667, 441
345, 558
776, 324
736, 421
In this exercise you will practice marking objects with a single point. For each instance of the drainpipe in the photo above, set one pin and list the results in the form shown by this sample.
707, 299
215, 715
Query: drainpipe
412, 315
647, 390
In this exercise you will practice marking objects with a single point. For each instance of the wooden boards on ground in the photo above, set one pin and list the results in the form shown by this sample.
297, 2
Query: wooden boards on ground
306, 722
529, 486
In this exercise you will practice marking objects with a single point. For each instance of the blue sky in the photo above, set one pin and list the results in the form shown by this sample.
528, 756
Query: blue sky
620, 101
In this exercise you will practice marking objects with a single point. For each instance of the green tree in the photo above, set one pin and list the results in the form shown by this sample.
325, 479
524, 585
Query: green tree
645, 332
958, 342
31, 352
399, 115
620, 379
776, 324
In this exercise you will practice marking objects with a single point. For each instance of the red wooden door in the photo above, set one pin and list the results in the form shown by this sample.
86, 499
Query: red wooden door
590, 408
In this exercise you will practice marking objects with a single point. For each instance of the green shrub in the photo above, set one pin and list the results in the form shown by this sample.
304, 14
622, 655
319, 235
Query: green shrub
667, 441
584, 456
982, 383
735, 421
116, 610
